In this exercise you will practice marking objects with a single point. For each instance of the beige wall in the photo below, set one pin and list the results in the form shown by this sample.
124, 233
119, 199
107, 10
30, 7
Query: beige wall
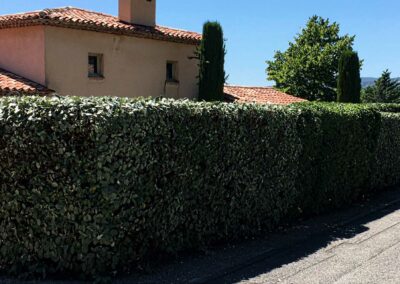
133, 67
22, 51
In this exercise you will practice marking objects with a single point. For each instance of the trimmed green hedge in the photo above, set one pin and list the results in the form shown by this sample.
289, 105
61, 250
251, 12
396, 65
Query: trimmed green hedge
383, 107
94, 186
339, 142
386, 164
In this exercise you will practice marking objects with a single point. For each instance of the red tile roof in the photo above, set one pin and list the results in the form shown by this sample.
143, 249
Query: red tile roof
75, 18
262, 95
12, 84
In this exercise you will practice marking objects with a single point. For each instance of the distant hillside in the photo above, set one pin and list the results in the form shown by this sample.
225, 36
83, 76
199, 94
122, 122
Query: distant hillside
369, 81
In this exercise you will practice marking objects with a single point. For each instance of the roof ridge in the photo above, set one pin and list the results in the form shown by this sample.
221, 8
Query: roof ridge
36, 11
90, 11
116, 17
21, 13
180, 30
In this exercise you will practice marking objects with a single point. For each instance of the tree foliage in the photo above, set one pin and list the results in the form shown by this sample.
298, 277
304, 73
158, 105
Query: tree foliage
212, 59
385, 90
309, 67
349, 80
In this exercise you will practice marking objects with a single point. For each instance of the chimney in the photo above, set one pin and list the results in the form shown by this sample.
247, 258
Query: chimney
139, 12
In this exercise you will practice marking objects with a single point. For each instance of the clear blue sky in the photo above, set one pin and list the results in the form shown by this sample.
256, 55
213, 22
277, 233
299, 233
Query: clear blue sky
255, 29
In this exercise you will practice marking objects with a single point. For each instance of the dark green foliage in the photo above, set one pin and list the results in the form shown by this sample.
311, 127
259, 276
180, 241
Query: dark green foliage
349, 80
309, 67
332, 172
386, 167
212, 60
95, 186
92, 186
385, 90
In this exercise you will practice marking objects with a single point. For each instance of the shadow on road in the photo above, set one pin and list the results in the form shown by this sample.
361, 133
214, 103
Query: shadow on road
295, 246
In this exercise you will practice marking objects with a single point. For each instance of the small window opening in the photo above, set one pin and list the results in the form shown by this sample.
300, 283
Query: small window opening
172, 71
95, 65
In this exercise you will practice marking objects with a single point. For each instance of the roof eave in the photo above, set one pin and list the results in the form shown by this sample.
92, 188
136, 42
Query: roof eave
88, 27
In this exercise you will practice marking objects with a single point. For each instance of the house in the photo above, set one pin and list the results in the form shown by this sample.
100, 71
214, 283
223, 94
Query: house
79, 52
261, 95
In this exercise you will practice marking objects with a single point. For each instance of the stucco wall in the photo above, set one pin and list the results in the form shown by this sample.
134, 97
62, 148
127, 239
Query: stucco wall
133, 67
22, 51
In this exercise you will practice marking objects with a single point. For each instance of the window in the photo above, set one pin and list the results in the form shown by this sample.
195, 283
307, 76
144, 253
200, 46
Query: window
172, 71
95, 65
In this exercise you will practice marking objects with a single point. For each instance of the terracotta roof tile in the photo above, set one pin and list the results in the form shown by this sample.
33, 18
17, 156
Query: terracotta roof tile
75, 18
12, 84
263, 95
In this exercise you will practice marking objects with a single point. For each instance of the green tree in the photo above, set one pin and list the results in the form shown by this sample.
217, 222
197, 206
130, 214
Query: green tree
349, 80
211, 54
385, 90
309, 67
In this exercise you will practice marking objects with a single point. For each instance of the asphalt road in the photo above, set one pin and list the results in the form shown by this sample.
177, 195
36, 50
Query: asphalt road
370, 256
360, 244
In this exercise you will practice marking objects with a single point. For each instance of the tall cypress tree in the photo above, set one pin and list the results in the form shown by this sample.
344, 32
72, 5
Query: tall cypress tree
212, 60
349, 80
